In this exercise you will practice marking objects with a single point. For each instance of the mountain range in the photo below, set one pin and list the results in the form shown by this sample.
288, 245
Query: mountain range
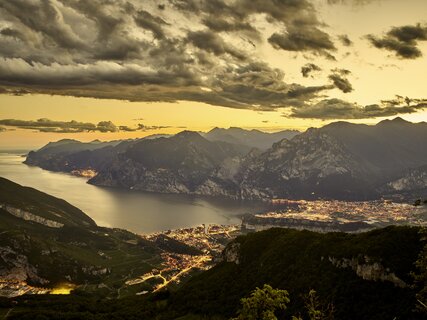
251, 138
341, 160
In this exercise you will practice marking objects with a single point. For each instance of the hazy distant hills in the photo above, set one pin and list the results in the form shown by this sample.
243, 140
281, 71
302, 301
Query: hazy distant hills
340, 160
251, 138
67, 154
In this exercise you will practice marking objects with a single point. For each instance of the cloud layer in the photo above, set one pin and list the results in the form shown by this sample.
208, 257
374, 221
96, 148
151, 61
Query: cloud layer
191, 50
339, 109
403, 41
47, 125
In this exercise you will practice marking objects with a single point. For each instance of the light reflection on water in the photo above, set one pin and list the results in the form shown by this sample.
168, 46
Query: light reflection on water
135, 211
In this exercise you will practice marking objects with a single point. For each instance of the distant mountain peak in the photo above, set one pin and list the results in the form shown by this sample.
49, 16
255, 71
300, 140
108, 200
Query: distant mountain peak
187, 134
395, 121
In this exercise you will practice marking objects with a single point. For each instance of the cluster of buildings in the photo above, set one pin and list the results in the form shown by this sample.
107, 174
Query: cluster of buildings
12, 289
210, 240
334, 215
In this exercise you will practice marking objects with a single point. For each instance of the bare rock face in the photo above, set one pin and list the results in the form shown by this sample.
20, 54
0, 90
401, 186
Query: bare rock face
28, 216
15, 267
310, 163
369, 270
415, 179
232, 253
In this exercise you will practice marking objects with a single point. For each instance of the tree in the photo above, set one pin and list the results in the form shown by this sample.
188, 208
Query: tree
315, 309
263, 303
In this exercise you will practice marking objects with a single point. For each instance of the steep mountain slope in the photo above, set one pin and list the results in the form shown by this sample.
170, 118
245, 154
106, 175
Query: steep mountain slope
365, 276
180, 164
386, 148
252, 138
45, 241
340, 160
312, 164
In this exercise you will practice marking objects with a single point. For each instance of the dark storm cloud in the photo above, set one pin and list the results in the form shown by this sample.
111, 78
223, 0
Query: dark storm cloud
338, 77
339, 109
303, 38
133, 50
308, 69
263, 88
145, 20
36, 14
403, 41
345, 40
11, 33
219, 24
211, 42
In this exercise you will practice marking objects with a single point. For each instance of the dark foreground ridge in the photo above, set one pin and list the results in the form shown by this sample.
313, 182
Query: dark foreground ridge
363, 276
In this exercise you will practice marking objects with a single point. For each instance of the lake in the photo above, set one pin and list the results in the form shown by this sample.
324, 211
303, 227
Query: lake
135, 211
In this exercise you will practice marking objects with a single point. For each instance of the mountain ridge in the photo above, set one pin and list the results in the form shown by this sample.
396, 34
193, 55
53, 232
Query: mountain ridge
340, 160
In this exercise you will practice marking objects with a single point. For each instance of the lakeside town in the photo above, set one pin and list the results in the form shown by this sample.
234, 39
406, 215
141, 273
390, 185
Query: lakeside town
337, 216
319, 216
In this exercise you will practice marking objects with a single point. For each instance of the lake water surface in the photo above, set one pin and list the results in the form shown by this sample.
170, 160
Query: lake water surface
135, 211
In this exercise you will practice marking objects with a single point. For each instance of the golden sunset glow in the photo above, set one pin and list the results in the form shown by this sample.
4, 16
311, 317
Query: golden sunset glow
375, 75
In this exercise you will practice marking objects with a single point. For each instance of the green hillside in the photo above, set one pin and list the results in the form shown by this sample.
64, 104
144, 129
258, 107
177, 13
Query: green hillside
297, 261
42, 204
300, 260
79, 252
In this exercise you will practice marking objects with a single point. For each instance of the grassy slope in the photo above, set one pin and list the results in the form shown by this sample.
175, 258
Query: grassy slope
58, 253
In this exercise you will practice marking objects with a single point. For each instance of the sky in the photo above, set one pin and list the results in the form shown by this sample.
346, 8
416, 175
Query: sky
109, 70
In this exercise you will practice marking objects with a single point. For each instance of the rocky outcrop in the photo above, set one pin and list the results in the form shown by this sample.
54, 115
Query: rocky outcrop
415, 179
28, 216
15, 267
232, 253
368, 270
310, 165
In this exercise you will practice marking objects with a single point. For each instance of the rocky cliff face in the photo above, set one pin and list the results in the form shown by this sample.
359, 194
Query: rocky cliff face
368, 270
15, 267
312, 164
415, 179
28, 216
232, 253
186, 163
